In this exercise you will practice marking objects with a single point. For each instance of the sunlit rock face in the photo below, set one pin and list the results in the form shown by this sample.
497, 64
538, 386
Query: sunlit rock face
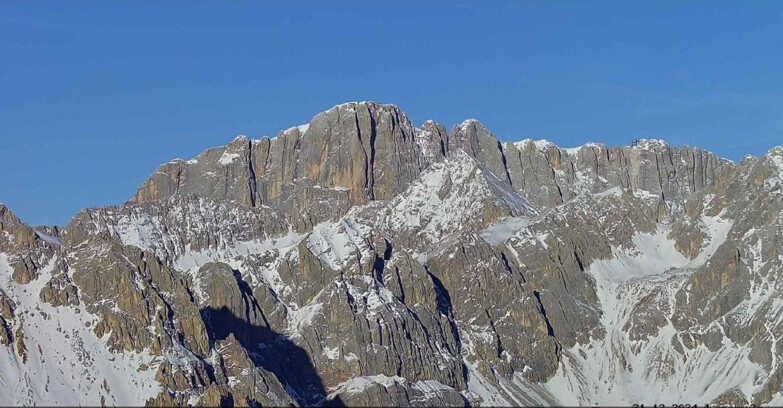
362, 260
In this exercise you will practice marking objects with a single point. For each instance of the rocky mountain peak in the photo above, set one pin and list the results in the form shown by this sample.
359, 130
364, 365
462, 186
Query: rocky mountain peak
6, 215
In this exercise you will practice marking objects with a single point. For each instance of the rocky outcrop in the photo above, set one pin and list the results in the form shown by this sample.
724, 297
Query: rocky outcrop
27, 249
6, 319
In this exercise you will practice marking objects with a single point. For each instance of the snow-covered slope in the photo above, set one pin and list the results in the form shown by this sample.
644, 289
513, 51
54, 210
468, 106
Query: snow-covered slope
65, 363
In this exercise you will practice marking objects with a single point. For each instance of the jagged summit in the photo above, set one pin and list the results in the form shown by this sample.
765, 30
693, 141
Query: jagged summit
649, 143
368, 151
350, 109
470, 122
6, 215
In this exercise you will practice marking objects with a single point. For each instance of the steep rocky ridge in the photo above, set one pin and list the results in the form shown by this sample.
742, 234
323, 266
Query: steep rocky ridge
347, 155
357, 152
361, 260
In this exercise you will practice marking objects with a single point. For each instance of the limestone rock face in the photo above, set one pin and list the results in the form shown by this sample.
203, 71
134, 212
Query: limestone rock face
360, 260
548, 175
345, 156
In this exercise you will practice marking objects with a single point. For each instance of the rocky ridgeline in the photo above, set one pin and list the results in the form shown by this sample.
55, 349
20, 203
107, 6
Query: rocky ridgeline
359, 152
361, 260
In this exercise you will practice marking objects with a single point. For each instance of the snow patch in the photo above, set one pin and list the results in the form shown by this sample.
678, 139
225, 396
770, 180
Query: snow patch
337, 243
653, 254
775, 155
616, 191
541, 144
650, 144
232, 253
332, 353
503, 230
51, 239
358, 384
228, 158
304, 316
573, 151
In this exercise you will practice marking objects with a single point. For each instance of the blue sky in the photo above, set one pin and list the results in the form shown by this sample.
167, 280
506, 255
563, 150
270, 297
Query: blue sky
94, 95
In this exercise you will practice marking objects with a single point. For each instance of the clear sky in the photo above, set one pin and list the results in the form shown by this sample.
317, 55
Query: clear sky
95, 95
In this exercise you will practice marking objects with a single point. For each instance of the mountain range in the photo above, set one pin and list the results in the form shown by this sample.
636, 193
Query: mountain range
361, 260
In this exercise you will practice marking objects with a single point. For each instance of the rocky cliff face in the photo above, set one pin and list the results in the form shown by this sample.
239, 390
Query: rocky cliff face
346, 156
361, 260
